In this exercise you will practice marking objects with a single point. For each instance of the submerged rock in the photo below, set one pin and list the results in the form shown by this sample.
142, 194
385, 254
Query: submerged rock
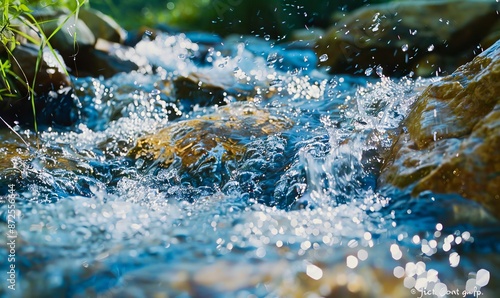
205, 90
283, 278
23, 164
451, 138
409, 35
209, 143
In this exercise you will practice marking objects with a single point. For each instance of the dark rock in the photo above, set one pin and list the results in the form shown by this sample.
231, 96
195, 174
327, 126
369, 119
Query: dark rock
492, 36
452, 136
107, 59
51, 76
53, 108
57, 108
52, 85
206, 90
399, 36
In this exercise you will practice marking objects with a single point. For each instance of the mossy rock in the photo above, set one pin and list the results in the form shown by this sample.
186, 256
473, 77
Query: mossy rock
452, 137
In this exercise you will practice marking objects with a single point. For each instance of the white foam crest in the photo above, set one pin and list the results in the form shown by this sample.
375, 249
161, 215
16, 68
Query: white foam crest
171, 52
99, 223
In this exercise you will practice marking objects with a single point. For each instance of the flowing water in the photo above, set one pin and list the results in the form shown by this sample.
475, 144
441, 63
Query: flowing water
298, 215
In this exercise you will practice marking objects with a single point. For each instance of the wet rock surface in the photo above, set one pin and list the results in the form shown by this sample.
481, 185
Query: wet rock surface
45, 165
214, 142
451, 138
419, 36
205, 90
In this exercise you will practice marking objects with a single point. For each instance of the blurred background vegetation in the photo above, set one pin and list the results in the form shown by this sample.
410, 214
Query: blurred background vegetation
275, 18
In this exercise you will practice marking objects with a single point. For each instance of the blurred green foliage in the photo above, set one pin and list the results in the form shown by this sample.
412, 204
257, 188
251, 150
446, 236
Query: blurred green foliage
256, 17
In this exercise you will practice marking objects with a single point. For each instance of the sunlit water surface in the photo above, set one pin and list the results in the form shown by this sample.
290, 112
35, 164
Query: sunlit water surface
299, 215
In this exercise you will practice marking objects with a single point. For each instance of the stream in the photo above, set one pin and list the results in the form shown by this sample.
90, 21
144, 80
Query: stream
298, 215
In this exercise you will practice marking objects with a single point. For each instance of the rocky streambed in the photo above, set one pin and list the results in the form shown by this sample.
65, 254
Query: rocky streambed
235, 167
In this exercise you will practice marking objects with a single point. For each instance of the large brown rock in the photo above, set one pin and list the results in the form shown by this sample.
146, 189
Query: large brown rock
423, 36
451, 138
211, 139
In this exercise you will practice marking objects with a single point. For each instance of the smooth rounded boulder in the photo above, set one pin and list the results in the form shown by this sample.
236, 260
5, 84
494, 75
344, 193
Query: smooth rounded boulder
451, 139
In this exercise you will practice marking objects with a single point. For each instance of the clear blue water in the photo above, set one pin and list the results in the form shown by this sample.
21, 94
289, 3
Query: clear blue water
300, 215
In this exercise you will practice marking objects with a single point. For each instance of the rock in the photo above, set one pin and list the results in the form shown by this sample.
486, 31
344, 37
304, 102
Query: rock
307, 35
283, 278
57, 108
102, 26
7, 153
52, 75
210, 142
451, 138
52, 86
54, 100
53, 108
492, 36
205, 90
398, 35
107, 59
22, 162
74, 35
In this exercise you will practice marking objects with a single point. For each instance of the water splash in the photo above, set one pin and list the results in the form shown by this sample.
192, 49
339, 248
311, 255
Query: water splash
88, 212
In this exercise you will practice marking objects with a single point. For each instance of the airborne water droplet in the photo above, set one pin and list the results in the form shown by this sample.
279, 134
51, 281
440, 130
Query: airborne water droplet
323, 58
430, 48
368, 71
272, 58
267, 37
404, 47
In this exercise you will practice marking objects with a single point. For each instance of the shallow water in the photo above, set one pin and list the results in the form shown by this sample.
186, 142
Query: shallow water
299, 215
